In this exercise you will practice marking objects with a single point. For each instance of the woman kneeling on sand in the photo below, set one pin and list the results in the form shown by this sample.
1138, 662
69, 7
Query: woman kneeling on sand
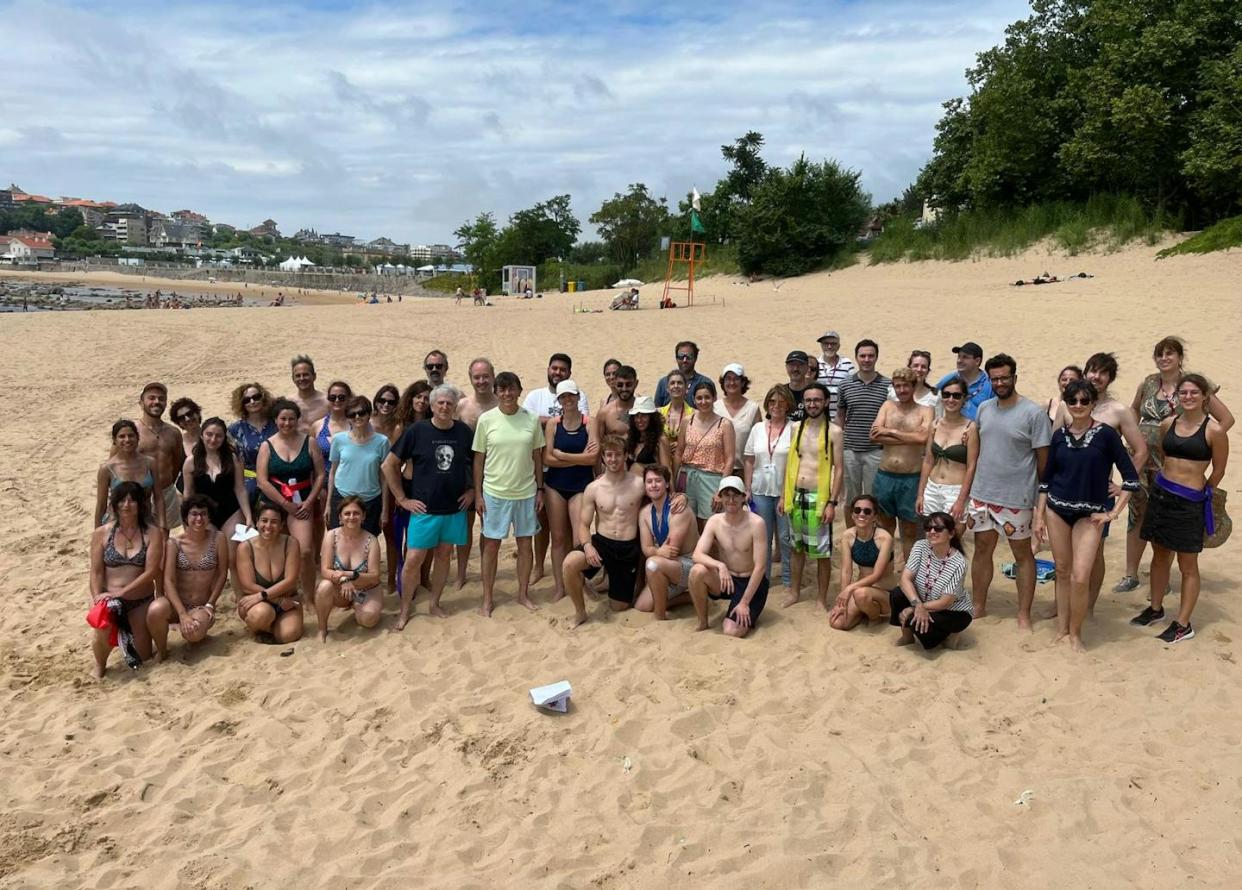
349, 563
267, 568
125, 560
931, 604
195, 568
870, 548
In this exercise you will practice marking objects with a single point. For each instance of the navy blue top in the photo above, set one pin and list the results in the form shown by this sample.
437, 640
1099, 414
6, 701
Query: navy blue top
1077, 471
574, 478
661, 393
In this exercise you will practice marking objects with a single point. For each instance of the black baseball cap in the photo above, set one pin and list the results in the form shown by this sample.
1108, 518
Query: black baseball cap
798, 356
970, 348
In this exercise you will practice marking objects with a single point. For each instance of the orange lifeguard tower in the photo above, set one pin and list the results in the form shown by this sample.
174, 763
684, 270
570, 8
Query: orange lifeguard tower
690, 253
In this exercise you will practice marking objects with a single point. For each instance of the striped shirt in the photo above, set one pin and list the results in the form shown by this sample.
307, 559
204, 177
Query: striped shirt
858, 404
832, 376
935, 577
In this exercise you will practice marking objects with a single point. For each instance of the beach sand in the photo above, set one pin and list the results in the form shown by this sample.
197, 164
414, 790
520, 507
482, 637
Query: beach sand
801, 757
183, 286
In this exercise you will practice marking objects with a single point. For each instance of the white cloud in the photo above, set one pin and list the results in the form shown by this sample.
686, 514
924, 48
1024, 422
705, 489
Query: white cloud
374, 120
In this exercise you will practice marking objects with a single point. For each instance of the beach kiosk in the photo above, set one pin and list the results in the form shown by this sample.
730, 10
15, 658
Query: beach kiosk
517, 279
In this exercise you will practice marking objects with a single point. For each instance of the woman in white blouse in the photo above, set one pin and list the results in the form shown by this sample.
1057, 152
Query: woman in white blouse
741, 411
931, 604
763, 468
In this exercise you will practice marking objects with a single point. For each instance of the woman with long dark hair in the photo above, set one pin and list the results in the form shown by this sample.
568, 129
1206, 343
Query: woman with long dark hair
931, 604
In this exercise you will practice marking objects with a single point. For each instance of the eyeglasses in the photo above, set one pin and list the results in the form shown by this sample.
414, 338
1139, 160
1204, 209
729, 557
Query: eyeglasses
1005, 379
434, 366
932, 527
355, 415
684, 356
389, 402
1079, 401
339, 397
184, 417
952, 395
252, 398
863, 511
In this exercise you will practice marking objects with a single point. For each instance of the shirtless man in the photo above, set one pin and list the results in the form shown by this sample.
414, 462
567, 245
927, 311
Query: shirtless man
740, 539
814, 476
902, 427
614, 418
613, 501
312, 402
483, 382
668, 539
162, 443
1100, 371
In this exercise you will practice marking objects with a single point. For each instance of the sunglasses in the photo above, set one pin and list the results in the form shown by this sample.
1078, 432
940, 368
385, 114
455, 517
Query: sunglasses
436, 366
1079, 401
389, 402
684, 356
934, 528
339, 397
355, 415
952, 395
251, 399
184, 416
863, 511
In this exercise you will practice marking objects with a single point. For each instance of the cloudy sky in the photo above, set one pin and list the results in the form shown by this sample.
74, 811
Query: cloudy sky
404, 119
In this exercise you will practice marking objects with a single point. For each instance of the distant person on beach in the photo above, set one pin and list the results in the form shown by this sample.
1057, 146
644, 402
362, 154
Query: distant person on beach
268, 571
508, 484
687, 355
668, 537
438, 496
868, 547
614, 418
457, 297
731, 562
196, 565
832, 368
290, 474
978, 389
126, 464
570, 455
126, 556
1179, 503
814, 477
950, 459
312, 403
1013, 447
161, 442
612, 503
931, 604
349, 569
902, 428
859, 400
1075, 505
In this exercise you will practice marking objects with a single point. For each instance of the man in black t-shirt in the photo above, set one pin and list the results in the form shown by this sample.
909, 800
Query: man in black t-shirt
798, 367
437, 497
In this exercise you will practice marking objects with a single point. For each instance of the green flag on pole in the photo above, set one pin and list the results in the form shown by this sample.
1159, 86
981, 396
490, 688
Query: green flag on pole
696, 224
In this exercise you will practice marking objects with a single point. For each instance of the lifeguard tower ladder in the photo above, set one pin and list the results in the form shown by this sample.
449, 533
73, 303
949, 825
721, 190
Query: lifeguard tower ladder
691, 253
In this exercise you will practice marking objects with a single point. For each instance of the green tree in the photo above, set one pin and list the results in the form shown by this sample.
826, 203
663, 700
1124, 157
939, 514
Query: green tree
477, 240
1213, 159
631, 224
543, 232
801, 219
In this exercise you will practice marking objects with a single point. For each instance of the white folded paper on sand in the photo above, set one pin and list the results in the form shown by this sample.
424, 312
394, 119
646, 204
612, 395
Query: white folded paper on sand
244, 533
554, 696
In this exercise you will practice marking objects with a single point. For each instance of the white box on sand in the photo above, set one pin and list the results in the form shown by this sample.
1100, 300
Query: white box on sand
553, 697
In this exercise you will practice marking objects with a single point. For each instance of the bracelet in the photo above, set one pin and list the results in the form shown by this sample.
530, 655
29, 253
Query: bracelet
210, 607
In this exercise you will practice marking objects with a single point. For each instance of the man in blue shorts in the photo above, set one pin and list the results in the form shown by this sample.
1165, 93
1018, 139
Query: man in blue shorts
437, 497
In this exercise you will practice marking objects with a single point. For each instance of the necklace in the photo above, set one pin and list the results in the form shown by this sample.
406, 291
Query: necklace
773, 440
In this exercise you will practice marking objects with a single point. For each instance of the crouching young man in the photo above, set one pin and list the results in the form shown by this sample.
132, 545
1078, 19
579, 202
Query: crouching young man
739, 575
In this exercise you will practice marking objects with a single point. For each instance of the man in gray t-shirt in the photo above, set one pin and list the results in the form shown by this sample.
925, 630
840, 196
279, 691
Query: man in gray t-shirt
1014, 434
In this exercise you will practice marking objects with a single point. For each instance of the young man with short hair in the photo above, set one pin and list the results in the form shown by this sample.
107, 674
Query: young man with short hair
858, 404
738, 571
668, 539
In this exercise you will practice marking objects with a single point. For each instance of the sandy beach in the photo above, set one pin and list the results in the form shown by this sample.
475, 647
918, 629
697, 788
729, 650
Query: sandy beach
184, 286
800, 757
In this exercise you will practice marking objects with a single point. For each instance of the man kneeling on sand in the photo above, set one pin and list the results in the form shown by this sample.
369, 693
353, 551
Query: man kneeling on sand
739, 575
613, 501
668, 539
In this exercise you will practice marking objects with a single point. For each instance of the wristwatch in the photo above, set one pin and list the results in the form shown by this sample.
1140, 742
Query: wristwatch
832, 502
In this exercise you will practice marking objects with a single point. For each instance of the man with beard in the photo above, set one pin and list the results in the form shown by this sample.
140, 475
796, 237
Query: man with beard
436, 366
814, 474
614, 418
162, 443
798, 369
1014, 434
687, 355
542, 402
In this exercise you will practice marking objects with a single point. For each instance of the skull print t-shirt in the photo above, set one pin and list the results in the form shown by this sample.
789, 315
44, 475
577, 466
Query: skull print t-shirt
442, 463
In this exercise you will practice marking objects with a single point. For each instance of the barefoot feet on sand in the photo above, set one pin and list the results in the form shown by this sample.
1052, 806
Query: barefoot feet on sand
787, 602
528, 603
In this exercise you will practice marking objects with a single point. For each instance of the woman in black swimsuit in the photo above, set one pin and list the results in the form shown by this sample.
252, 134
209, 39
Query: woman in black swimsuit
570, 456
125, 560
646, 443
267, 566
1179, 505
213, 469
291, 476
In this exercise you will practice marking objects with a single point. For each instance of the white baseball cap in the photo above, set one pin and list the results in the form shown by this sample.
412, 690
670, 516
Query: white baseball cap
735, 368
734, 482
567, 386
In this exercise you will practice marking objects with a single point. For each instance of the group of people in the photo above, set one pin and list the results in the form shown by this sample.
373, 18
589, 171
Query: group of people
328, 498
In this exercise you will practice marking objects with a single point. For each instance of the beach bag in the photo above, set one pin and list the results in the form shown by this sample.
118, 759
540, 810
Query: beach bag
1220, 518
1045, 570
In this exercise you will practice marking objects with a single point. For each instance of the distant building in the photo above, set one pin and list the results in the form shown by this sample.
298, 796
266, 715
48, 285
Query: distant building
337, 240
163, 232
6, 199
245, 255
25, 248
388, 246
306, 236
188, 216
433, 252
126, 224
223, 229
93, 212
267, 228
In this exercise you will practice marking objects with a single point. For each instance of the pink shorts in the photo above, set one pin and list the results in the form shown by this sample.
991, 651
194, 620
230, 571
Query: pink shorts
1013, 523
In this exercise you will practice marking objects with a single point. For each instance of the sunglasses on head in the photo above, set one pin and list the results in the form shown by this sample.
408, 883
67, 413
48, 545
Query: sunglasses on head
433, 366
354, 415
339, 397
863, 511
252, 398
385, 401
